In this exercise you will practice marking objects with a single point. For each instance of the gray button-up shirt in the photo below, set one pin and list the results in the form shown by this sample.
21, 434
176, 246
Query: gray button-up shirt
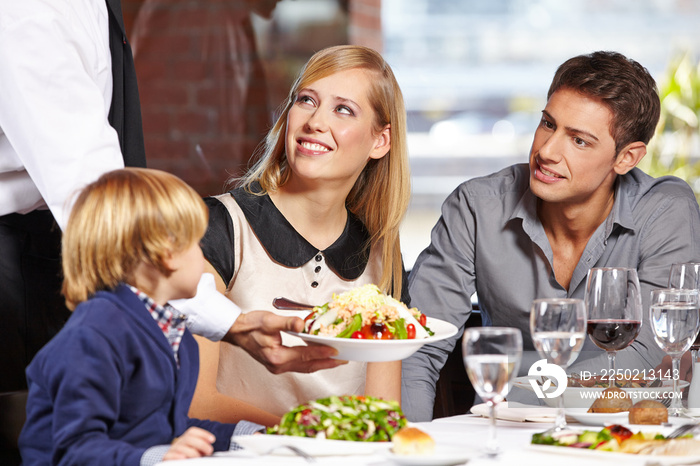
489, 240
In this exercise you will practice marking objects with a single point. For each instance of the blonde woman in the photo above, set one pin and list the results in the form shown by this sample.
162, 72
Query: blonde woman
318, 214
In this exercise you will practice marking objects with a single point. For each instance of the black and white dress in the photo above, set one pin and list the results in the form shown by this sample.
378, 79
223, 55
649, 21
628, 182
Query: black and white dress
261, 256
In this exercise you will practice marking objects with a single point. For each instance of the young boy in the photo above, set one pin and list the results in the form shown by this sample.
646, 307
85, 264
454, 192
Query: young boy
114, 385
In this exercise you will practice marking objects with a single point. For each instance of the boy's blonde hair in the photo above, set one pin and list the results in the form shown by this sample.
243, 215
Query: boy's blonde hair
126, 217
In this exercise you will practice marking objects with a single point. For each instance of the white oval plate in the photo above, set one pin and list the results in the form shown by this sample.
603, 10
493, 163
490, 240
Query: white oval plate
443, 456
597, 419
583, 397
262, 444
614, 456
350, 349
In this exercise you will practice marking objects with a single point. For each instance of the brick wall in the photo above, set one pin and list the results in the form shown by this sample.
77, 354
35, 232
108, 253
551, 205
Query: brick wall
208, 90
365, 26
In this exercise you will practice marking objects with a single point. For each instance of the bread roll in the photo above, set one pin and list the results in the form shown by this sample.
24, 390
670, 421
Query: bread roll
412, 441
612, 400
648, 412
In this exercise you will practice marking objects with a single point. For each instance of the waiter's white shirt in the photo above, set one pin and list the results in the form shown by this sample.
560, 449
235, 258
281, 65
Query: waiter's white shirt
55, 138
55, 95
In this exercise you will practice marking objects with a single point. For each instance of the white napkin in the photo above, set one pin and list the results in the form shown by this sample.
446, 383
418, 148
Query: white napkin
513, 411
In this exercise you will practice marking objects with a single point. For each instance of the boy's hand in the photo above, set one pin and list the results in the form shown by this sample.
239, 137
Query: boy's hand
195, 442
258, 333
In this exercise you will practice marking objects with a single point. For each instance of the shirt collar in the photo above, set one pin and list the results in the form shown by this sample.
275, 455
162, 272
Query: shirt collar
621, 213
347, 256
622, 210
170, 321
526, 208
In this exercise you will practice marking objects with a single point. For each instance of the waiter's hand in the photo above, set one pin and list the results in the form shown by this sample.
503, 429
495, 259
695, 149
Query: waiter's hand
258, 333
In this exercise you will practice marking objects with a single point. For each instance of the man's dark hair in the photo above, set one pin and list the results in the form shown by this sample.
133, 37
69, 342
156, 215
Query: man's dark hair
622, 84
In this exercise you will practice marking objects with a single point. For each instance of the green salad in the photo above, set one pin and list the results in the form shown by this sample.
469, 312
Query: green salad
368, 314
610, 438
356, 418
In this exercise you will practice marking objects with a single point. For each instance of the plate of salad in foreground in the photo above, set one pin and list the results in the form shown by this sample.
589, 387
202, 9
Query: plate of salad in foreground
275, 445
619, 441
336, 425
364, 324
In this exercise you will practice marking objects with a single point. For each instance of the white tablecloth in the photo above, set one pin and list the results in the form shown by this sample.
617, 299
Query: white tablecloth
467, 432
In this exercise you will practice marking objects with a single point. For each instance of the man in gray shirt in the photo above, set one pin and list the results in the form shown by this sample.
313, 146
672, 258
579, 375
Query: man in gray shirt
534, 230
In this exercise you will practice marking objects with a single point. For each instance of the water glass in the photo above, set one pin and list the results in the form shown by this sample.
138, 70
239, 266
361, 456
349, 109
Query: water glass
492, 358
558, 328
675, 321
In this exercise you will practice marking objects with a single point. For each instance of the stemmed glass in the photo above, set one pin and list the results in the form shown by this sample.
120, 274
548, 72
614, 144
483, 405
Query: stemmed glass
558, 328
675, 321
492, 358
686, 276
614, 305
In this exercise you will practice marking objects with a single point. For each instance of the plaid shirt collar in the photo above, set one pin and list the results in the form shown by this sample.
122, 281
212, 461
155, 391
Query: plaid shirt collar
169, 319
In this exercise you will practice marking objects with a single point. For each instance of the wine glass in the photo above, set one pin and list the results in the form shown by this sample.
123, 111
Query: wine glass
614, 305
675, 321
686, 276
492, 358
558, 328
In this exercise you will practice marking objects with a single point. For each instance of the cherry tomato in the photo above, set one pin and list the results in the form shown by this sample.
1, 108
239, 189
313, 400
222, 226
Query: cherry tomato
358, 335
307, 418
423, 320
411, 331
620, 433
385, 333
376, 331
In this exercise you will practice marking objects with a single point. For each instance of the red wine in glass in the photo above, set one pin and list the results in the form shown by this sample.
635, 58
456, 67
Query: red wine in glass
614, 303
613, 334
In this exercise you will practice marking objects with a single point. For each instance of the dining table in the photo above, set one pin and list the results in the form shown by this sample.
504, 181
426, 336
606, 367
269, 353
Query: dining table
464, 437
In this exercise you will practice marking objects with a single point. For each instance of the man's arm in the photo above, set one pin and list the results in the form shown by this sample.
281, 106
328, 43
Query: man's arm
670, 233
676, 240
441, 284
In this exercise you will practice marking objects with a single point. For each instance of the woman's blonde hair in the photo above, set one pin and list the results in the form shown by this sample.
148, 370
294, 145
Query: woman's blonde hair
382, 192
126, 217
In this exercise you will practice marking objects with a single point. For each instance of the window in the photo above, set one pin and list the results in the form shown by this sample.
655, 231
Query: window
475, 76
